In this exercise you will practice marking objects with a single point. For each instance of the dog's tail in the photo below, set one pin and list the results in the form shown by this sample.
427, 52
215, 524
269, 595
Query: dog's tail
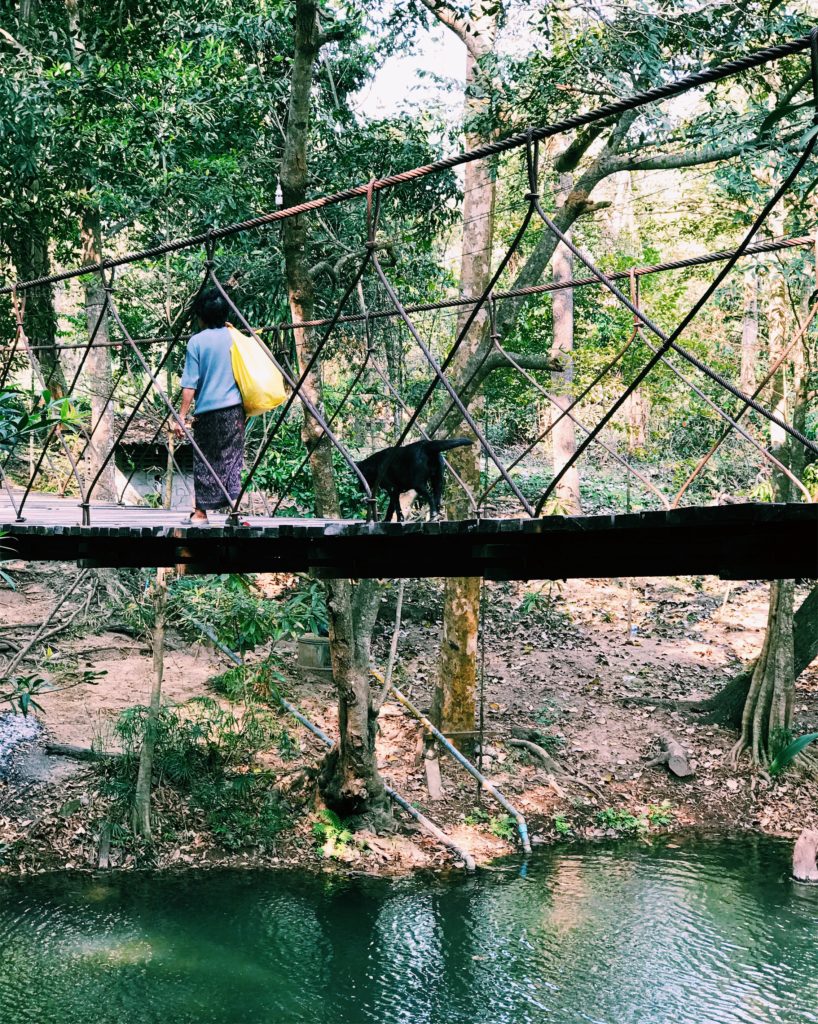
452, 442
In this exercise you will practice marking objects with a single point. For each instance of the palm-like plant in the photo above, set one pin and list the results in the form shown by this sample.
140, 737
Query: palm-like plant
785, 757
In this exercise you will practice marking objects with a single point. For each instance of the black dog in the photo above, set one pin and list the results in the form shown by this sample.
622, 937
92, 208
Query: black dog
414, 467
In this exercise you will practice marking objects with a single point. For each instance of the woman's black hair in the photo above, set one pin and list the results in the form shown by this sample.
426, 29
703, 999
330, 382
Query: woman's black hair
211, 308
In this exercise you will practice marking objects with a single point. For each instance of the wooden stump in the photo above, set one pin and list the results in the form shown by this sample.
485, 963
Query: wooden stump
673, 755
805, 857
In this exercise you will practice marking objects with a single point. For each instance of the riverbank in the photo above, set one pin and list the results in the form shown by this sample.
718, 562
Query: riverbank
563, 665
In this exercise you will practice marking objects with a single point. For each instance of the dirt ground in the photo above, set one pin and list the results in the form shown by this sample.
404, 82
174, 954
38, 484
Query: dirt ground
574, 662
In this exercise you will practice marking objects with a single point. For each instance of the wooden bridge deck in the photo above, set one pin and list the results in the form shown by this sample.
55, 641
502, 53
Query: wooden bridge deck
753, 541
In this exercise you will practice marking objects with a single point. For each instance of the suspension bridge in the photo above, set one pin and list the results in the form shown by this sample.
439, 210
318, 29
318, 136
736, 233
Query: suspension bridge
508, 532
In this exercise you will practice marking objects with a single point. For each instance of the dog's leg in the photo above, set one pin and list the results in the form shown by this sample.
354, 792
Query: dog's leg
426, 496
436, 481
394, 507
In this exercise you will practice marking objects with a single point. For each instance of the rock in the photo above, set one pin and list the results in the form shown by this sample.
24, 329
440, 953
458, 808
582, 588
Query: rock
804, 865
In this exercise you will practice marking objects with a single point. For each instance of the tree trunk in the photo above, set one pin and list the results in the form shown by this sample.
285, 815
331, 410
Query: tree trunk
563, 436
98, 373
725, 708
28, 243
29, 254
141, 817
767, 710
749, 332
454, 699
350, 783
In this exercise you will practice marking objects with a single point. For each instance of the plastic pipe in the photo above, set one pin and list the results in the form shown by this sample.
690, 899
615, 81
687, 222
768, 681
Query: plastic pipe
522, 826
421, 819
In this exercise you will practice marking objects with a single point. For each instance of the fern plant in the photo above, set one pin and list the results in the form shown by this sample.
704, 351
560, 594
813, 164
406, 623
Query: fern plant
332, 836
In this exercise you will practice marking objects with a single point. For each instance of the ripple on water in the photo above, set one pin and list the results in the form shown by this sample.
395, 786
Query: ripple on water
712, 933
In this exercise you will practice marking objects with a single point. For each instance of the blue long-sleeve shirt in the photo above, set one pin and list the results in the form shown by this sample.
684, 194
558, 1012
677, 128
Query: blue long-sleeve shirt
209, 370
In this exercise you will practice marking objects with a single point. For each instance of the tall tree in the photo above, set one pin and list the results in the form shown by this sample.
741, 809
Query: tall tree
614, 57
767, 712
350, 782
563, 433
30, 200
141, 816
457, 674
749, 332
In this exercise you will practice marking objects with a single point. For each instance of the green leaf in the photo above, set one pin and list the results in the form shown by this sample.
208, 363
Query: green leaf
790, 752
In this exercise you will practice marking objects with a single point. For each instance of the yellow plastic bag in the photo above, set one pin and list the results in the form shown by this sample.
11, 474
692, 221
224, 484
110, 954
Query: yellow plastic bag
260, 382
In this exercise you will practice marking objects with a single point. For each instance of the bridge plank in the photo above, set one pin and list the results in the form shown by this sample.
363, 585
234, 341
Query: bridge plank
750, 541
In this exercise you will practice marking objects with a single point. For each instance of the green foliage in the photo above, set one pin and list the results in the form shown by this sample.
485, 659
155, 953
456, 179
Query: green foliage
621, 820
779, 739
229, 604
232, 684
207, 753
242, 811
549, 741
236, 611
533, 601
503, 826
561, 825
331, 836
21, 692
785, 755
660, 815
549, 713
544, 606
626, 822
810, 480
27, 413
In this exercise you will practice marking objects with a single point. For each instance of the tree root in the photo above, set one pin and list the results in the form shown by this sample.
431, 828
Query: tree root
554, 769
736, 751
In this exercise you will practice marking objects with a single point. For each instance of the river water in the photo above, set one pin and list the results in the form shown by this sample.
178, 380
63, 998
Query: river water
703, 932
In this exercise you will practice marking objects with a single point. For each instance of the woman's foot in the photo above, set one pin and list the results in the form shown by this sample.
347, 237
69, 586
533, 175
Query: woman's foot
196, 519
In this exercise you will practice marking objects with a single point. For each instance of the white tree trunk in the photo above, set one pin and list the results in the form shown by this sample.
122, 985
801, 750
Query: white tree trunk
98, 376
563, 436
749, 332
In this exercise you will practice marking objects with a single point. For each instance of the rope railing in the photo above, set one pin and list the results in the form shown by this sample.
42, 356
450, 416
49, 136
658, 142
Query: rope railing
146, 390
778, 362
297, 390
516, 141
456, 372
670, 340
686, 263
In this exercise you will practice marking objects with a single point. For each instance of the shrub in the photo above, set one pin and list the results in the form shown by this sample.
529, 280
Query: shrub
206, 753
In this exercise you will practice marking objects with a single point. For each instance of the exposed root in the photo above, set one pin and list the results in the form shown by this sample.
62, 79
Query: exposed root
736, 751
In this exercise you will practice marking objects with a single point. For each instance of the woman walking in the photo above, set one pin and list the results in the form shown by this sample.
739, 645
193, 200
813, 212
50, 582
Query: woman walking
218, 426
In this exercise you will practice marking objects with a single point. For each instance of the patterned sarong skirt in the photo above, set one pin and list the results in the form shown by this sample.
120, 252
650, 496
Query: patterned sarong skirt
220, 437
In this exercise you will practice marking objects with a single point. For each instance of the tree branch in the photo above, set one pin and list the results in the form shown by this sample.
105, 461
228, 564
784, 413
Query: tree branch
462, 27
9, 38
333, 35
630, 161
527, 360
569, 159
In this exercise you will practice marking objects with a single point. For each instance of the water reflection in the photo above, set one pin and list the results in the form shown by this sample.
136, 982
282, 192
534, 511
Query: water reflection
707, 934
